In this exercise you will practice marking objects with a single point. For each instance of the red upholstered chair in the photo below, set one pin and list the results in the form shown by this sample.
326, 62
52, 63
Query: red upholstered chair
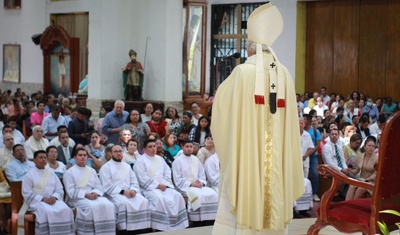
361, 215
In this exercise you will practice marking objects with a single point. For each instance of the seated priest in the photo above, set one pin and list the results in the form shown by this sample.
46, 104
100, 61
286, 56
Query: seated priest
190, 179
122, 188
168, 210
95, 213
43, 194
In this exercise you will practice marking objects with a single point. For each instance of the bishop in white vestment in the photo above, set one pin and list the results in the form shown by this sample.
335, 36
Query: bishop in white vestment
95, 213
121, 187
190, 180
44, 194
168, 210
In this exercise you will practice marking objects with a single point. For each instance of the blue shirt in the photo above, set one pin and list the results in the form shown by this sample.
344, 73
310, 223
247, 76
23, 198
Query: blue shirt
50, 124
315, 136
372, 111
16, 170
111, 121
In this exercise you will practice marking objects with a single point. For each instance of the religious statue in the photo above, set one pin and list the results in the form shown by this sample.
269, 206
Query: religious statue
133, 78
84, 86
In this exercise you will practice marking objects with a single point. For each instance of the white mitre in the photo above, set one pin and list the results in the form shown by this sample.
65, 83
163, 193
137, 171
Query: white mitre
264, 26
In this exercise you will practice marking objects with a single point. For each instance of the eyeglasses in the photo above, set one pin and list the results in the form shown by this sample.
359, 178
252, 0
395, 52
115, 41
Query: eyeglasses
117, 151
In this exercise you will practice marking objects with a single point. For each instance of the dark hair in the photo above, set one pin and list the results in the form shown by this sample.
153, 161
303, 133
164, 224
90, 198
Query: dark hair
40, 102
55, 108
312, 111
191, 104
176, 112
185, 141
50, 147
364, 119
340, 108
6, 126
61, 127
197, 132
146, 142
17, 145
128, 119
187, 113
382, 118
36, 153
93, 132
75, 150
132, 140
355, 137
108, 109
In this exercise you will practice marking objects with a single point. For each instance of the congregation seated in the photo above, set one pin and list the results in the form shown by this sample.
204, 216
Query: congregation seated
44, 195
86, 194
173, 119
95, 150
190, 180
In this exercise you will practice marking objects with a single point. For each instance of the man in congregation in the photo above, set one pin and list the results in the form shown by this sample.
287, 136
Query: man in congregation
78, 128
190, 180
6, 153
333, 155
19, 166
154, 176
18, 136
56, 141
64, 149
259, 148
121, 187
113, 121
44, 195
95, 214
52, 122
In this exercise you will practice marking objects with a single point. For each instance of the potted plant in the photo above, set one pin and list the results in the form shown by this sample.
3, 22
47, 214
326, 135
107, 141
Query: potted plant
383, 226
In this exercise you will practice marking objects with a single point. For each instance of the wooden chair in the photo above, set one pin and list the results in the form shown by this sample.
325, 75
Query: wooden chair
16, 204
361, 215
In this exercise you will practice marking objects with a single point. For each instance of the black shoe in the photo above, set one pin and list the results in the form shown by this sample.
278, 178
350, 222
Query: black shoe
305, 214
296, 215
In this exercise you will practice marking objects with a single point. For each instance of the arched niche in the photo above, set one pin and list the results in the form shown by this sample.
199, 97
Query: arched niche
60, 61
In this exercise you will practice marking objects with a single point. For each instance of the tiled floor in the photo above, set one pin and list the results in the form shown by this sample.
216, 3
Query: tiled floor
297, 227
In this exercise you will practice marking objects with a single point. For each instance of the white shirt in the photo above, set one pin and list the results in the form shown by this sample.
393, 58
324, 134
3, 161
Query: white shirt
306, 143
329, 156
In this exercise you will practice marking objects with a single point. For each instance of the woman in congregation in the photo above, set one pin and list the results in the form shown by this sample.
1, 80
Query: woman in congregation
366, 163
170, 144
102, 114
162, 153
148, 110
5, 203
195, 109
157, 124
95, 150
139, 129
207, 151
131, 155
173, 119
58, 167
199, 133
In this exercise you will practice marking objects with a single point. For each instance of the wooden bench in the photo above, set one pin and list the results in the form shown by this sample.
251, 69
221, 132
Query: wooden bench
16, 204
